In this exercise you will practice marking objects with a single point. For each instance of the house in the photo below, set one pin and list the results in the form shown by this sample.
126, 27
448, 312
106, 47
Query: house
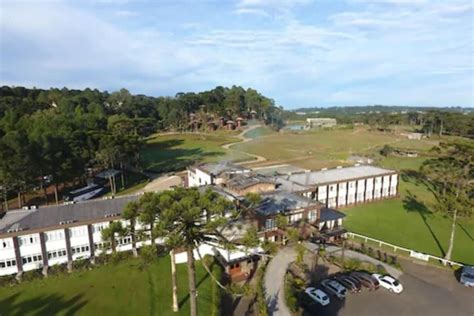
212, 173
240, 263
309, 216
346, 186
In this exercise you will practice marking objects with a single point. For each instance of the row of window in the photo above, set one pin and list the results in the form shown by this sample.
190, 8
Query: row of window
31, 259
57, 253
5, 243
80, 249
7, 263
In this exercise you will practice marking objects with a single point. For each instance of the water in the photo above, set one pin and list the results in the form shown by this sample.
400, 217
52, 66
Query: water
295, 127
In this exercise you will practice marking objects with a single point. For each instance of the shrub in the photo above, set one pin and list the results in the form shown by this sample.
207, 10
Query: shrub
291, 293
148, 254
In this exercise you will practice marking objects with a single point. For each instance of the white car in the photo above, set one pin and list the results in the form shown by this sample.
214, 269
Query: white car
389, 282
318, 295
335, 288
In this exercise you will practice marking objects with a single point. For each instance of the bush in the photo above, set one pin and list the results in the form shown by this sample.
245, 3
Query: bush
81, 264
8, 280
31, 275
291, 293
148, 254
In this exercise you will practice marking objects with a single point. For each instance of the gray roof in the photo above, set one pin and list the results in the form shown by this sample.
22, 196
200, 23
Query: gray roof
278, 170
281, 201
289, 186
67, 213
246, 180
219, 190
335, 175
222, 167
329, 214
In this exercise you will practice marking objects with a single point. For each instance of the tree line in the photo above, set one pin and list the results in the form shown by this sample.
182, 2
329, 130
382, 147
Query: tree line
57, 134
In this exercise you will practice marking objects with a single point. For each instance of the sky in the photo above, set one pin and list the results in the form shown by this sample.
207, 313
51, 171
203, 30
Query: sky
301, 53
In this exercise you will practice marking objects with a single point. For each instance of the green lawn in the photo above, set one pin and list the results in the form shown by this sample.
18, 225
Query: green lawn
316, 149
409, 221
113, 289
176, 152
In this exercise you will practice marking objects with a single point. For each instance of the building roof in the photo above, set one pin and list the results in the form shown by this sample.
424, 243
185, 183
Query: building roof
243, 181
222, 167
336, 175
57, 215
289, 186
281, 201
219, 190
278, 170
329, 214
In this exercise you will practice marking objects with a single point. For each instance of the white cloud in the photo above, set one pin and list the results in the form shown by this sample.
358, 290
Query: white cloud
258, 12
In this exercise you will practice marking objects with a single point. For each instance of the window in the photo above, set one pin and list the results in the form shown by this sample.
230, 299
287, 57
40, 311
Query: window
270, 223
7, 263
31, 259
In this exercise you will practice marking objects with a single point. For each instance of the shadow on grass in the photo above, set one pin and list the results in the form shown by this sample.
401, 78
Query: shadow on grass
411, 204
164, 157
203, 278
52, 304
466, 232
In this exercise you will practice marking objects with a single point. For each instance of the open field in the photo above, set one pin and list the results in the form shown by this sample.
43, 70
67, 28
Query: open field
114, 289
176, 152
324, 148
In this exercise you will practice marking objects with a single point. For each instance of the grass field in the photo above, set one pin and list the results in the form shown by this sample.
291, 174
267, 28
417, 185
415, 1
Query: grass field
176, 152
409, 222
316, 149
113, 289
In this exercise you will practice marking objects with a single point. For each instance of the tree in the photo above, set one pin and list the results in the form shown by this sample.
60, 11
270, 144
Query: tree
111, 233
192, 219
451, 176
131, 213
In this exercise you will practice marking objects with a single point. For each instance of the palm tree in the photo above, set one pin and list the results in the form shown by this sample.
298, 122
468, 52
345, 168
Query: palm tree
111, 233
131, 213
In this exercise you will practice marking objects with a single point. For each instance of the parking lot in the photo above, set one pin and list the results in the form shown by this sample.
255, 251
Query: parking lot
427, 291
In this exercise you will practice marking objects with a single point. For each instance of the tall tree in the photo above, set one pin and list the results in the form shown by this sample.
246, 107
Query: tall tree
111, 233
451, 176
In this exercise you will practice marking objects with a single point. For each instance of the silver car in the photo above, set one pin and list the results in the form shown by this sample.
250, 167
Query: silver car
467, 276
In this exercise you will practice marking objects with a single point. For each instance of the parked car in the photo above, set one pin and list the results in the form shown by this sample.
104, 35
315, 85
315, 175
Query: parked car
318, 295
389, 282
366, 280
348, 283
467, 276
354, 280
335, 288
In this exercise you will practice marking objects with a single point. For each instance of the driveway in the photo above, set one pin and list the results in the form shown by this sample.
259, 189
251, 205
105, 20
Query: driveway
274, 281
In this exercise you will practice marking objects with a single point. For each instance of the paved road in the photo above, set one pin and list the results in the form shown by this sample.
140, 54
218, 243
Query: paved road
274, 281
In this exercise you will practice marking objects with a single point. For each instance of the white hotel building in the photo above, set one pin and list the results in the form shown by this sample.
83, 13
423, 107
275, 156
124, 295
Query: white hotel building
41, 237
342, 187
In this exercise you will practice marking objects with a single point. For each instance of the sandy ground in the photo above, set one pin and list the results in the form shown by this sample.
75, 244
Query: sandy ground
162, 183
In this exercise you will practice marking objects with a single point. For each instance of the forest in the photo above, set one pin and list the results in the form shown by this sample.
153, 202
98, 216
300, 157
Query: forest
59, 134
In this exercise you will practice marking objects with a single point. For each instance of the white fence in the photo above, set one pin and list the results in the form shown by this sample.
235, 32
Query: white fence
412, 253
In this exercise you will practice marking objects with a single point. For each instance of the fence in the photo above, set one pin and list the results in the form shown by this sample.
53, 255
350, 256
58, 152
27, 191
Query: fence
412, 253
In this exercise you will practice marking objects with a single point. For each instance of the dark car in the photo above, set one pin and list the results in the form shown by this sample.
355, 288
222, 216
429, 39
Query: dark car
349, 284
354, 280
366, 280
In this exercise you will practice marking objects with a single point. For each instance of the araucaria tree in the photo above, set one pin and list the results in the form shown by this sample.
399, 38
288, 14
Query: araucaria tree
194, 218
111, 233
451, 176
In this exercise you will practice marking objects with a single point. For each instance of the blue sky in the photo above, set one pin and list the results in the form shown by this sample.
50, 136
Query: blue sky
300, 52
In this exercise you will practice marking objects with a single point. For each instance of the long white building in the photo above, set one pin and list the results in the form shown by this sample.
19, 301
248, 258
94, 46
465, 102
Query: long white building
41, 237
344, 186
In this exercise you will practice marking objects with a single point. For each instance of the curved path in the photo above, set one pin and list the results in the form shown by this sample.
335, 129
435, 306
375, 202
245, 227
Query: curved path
275, 281
244, 139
